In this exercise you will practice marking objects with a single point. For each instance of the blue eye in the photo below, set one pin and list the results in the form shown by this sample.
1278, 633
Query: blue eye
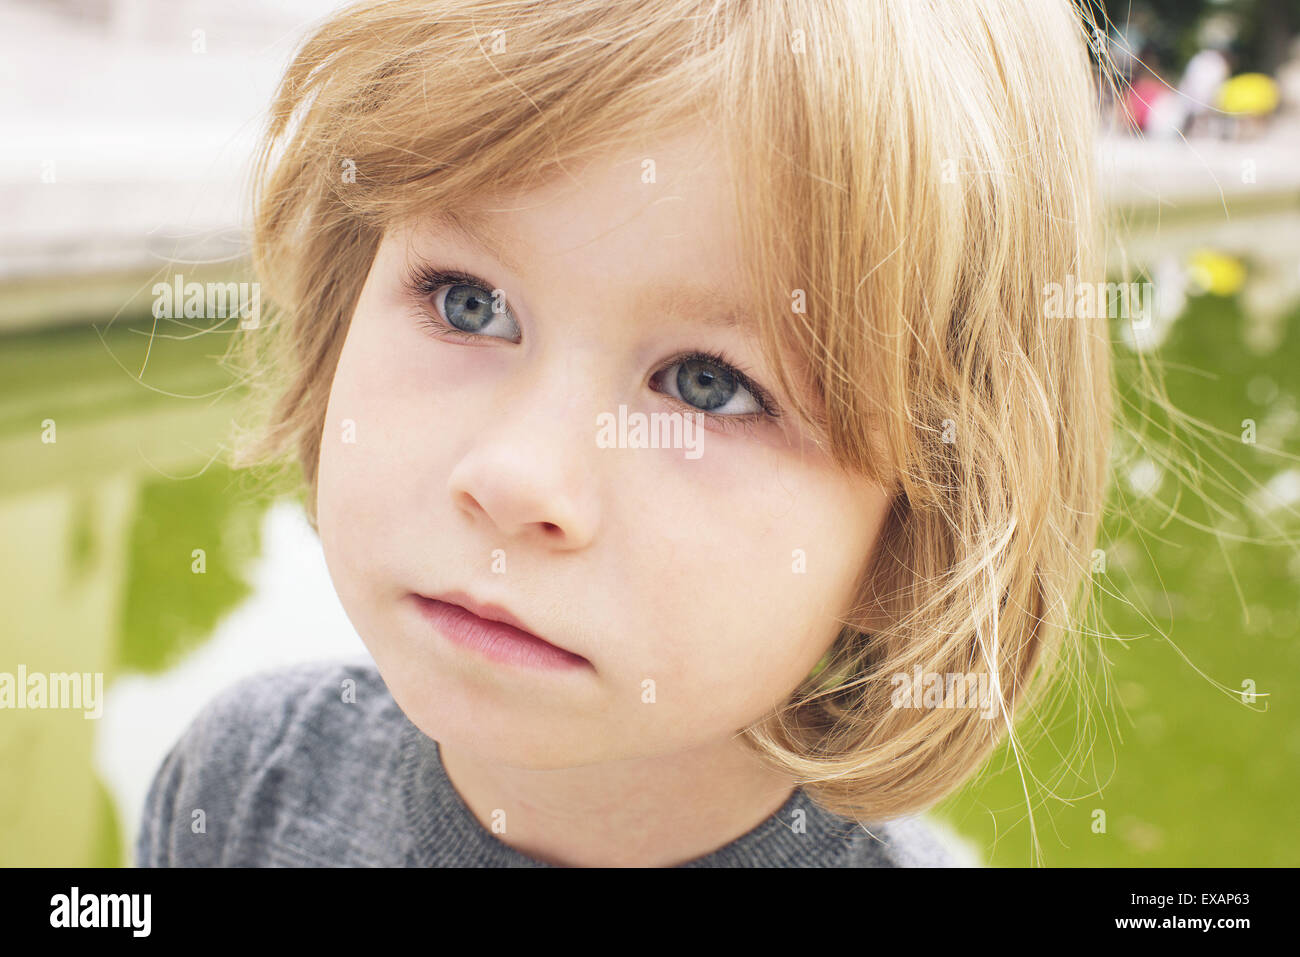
467, 306
709, 384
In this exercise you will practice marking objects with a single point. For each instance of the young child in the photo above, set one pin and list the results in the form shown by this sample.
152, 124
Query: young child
682, 424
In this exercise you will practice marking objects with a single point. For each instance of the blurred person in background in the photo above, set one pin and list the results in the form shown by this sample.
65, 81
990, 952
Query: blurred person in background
1198, 91
1152, 107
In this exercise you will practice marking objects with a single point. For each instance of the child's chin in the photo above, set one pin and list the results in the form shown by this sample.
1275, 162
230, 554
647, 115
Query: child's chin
503, 735
520, 749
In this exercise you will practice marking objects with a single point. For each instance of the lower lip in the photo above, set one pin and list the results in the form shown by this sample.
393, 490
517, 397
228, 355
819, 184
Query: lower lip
494, 640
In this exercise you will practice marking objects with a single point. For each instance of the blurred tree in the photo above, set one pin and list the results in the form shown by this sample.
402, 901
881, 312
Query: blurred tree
1171, 28
1267, 27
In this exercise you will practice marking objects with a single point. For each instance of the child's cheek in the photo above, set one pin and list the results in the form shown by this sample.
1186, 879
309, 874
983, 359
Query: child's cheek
721, 605
368, 453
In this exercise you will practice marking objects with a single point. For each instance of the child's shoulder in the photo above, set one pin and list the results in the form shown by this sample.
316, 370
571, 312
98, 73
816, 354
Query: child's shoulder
268, 772
299, 698
910, 842
288, 708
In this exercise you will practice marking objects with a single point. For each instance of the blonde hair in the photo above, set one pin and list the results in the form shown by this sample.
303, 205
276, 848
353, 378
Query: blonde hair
926, 170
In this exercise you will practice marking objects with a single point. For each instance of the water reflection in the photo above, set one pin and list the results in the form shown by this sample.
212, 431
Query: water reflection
108, 495
1256, 258
291, 614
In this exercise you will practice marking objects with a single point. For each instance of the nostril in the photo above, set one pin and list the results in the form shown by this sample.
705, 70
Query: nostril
469, 503
550, 528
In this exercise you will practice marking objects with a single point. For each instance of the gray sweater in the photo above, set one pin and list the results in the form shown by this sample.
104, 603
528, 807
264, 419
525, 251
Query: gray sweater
279, 770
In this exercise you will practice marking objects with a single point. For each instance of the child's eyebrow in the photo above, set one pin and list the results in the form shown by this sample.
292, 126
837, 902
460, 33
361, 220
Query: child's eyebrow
470, 226
703, 304
696, 303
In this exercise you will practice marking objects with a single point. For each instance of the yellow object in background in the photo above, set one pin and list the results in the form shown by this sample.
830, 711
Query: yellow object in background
1253, 94
1215, 272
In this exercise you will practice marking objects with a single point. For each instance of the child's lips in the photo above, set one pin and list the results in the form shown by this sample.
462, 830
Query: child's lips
494, 630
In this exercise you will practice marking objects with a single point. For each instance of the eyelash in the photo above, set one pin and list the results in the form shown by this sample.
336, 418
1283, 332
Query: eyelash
424, 281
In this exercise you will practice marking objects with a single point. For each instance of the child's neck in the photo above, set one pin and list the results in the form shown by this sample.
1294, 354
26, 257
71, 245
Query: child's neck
648, 812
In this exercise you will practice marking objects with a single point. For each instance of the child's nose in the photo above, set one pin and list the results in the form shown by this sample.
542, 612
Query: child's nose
531, 475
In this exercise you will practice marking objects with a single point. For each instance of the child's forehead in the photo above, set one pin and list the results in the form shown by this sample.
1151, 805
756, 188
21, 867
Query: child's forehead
678, 185
659, 217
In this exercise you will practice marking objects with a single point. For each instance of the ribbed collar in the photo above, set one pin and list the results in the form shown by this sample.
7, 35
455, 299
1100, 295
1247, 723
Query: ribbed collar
443, 832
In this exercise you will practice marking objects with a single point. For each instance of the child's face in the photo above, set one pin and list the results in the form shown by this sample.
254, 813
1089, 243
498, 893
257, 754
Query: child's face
700, 586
